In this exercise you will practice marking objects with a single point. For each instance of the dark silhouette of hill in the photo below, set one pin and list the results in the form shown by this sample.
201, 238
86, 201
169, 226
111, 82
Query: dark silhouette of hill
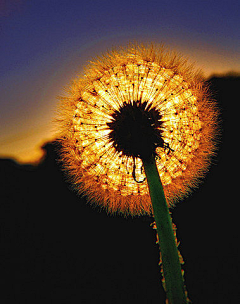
55, 248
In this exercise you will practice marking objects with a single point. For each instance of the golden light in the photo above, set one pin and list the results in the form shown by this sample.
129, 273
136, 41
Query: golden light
159, 80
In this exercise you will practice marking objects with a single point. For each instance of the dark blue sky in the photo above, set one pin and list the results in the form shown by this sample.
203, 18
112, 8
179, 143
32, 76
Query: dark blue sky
44, 43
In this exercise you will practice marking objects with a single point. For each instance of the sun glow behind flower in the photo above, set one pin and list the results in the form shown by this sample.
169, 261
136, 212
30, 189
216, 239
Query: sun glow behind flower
162, 82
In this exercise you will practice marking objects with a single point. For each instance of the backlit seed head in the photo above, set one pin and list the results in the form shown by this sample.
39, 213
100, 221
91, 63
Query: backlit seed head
128, 105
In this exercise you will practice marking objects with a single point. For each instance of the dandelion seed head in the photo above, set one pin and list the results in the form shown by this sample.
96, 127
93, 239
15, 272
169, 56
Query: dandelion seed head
129, 104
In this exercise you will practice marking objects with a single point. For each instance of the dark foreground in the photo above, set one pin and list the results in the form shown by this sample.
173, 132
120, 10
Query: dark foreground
57, 249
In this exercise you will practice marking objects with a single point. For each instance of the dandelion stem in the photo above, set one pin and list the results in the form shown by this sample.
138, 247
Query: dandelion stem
170, 259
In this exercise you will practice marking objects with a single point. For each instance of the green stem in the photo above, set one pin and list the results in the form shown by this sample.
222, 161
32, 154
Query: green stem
170, 260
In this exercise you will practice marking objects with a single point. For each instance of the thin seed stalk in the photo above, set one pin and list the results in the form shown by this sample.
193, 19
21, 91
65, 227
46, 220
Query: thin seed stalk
174, 283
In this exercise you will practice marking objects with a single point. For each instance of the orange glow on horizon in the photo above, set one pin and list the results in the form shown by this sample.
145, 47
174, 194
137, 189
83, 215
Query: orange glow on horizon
25, 147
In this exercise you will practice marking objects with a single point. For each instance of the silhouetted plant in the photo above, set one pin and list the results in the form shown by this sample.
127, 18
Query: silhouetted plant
138, 130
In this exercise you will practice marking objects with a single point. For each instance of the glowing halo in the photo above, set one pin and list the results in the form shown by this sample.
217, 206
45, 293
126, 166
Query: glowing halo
162, 81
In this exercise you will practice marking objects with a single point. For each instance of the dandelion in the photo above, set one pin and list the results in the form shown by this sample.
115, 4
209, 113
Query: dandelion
165, 103
137, 125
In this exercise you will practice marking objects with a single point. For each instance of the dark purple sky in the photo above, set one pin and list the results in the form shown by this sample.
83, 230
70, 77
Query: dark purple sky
44, 43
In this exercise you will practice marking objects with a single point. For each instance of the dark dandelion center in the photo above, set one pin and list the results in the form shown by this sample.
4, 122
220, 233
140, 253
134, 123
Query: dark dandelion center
136, 129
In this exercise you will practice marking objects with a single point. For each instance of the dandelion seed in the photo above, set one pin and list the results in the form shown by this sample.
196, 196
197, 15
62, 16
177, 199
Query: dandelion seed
129, 104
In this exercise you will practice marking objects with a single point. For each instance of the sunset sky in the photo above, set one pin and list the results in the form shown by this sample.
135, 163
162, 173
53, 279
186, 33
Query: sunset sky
45, 43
